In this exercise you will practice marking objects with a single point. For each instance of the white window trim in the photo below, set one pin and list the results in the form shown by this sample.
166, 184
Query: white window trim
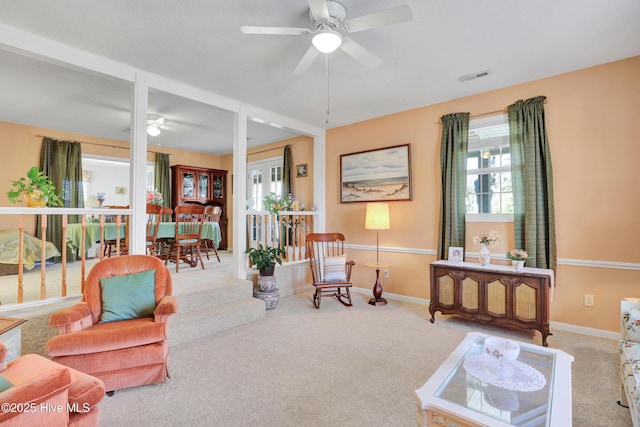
485, 217
489, 143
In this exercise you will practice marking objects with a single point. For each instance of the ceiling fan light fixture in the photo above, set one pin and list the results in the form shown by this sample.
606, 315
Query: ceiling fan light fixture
153, 130
327, 40
155, 123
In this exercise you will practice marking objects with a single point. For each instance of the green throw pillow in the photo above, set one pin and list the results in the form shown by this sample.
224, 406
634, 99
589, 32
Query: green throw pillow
5, 384
128, 297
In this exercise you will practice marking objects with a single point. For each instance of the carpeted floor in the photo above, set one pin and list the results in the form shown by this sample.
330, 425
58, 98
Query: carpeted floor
338, 366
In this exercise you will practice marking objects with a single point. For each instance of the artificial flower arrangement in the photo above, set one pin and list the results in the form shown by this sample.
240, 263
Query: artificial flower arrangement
517, 255
274, 203
492, 238
154, 197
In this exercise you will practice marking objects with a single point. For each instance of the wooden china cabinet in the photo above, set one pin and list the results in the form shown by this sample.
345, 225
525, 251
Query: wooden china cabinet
196, 185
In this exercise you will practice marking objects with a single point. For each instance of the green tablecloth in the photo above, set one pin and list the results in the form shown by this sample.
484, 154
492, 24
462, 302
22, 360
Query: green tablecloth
210, 230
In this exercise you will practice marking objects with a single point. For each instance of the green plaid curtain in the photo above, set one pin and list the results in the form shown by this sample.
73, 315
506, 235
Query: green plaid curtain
533, 218
61, 161
162, 178
453, 170
286, 172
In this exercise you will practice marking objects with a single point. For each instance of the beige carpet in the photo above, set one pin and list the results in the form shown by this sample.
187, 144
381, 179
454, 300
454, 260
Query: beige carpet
338, 366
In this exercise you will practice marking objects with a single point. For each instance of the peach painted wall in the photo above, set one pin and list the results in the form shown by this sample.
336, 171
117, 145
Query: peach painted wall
301, 152
594, 147
21, 149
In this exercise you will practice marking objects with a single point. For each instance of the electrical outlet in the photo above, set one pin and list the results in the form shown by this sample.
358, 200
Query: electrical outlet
589, 300
386, 274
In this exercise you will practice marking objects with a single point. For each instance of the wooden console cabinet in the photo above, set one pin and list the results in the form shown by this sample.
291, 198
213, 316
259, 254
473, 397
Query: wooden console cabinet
494, 294
195, 185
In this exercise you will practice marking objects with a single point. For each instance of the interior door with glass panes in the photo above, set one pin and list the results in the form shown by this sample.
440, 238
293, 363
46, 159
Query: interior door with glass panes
263, 177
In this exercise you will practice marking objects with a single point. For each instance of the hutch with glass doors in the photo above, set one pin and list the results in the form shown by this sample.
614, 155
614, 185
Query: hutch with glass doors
196, 185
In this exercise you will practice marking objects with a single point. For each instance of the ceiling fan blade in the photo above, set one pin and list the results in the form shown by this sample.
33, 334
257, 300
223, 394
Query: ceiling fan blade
361, 54
394, 15
274, 31
319, 9
307, 60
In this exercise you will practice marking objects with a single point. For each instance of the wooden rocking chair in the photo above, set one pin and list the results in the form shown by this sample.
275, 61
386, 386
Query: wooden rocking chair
330, 270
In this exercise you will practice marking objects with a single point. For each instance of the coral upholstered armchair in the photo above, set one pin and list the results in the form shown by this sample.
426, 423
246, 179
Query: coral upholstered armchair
118, 332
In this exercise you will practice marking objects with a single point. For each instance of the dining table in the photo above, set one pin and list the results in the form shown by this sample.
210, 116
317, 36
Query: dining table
210, 231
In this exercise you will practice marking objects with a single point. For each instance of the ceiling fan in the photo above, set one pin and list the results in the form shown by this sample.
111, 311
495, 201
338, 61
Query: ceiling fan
328, 25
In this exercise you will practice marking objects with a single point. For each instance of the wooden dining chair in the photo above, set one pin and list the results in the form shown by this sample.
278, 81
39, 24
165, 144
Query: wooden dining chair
330, 270
111, 246
211, 214
154, 215
186, 245
162, 243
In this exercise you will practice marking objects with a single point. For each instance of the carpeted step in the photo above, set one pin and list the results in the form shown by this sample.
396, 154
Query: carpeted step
206, 295
191, 325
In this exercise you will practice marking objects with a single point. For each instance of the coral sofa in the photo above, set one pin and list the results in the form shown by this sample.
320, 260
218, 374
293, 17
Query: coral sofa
100, 338
630, 357
38, 391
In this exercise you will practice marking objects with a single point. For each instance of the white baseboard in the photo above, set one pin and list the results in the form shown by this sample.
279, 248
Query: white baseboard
600, 333
552, 324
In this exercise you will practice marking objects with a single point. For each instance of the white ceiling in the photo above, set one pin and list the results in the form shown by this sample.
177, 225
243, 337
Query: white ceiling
199, 42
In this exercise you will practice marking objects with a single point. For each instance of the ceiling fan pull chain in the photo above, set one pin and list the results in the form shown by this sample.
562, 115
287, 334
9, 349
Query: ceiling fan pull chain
326, 56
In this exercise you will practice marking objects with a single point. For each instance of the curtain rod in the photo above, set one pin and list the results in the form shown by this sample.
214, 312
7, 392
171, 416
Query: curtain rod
268, 149
101, 145
490, 113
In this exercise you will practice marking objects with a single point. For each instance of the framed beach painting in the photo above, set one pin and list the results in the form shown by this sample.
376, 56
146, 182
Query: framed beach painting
377, 175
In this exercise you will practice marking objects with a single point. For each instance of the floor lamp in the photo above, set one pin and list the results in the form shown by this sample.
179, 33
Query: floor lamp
377, 218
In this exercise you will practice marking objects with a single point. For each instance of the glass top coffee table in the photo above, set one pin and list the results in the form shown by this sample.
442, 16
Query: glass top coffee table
470, 389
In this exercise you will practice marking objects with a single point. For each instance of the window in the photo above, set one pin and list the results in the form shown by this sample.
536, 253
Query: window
489, 167
101, 177
263, 177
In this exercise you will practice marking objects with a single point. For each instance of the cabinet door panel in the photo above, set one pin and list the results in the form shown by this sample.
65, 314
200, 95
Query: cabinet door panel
203, 186
218, 187
188, 185
525, 304
446, 290
497, 298
470, 294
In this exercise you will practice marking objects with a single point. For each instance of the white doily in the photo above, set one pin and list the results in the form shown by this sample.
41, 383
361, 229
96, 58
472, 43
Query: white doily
515, 376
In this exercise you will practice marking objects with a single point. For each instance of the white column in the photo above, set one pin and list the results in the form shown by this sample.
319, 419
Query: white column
138, 162
320, 181
239, 193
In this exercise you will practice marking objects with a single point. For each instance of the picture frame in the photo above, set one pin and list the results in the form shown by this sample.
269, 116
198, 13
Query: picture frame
378, 175
456, 254
121, 191
301, 170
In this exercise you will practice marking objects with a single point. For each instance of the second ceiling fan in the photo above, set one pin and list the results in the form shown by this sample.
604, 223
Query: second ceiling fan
328, 24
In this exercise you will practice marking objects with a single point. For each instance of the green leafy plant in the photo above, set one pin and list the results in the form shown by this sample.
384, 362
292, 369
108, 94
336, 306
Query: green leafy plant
37, 186
263, 256
274, 203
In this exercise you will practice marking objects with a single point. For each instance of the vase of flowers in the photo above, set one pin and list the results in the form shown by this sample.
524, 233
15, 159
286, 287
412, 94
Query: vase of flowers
517, 257
154, 197
486, 240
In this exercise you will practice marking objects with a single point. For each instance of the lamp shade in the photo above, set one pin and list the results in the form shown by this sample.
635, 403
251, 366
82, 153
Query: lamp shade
377, 216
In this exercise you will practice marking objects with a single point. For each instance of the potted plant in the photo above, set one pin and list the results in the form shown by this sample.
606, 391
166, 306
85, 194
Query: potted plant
37, 188
264, 258
517, 257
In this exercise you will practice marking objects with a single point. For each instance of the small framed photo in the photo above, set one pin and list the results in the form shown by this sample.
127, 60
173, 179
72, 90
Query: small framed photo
301, 170
456, 255
121, 190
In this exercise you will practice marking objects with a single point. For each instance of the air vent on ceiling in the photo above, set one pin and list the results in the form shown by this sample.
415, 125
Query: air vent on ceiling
474, 76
